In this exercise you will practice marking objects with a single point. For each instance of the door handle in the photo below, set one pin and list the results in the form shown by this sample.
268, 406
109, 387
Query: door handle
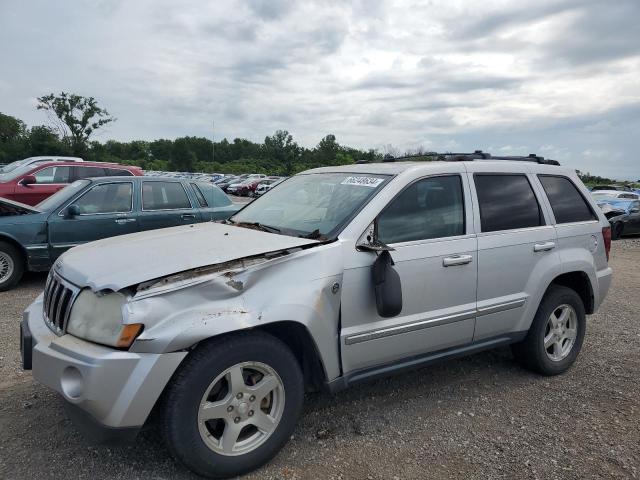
543, 247
188, 216
121, 221
456, 260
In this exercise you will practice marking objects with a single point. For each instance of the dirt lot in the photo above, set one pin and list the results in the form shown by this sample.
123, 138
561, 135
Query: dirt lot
478, 417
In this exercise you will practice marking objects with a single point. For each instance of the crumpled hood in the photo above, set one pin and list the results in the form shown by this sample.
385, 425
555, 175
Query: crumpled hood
119, 262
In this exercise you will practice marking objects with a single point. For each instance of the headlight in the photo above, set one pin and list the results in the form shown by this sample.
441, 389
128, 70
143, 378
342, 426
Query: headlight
99, 318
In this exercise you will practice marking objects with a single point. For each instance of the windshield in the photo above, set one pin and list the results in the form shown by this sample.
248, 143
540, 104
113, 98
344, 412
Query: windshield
314, 205
15, 172
10, 167
61, 196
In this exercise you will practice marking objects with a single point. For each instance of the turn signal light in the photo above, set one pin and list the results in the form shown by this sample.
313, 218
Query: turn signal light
129, 334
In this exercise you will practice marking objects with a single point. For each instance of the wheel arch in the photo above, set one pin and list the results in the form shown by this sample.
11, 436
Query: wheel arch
15, 243
579, 282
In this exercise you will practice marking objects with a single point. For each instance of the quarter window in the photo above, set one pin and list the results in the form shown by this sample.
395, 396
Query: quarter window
429, 208
201, 200
53, 175
506, 202
567, 203
164, 196
106, 198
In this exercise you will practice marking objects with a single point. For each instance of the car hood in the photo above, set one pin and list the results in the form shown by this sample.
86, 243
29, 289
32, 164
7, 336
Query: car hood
127, 260
9, 207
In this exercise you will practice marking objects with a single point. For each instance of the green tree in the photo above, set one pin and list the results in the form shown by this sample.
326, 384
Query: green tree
11, 128
75, 117
183, 159
42, 140
281, 147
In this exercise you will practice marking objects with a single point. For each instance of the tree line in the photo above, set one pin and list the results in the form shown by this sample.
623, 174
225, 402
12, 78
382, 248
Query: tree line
73, 119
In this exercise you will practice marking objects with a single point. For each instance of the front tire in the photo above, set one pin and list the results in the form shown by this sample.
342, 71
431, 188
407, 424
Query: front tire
11, 266
233, 404
556, 334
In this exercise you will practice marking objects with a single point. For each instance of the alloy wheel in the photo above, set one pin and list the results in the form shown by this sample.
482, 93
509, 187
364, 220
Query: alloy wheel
241, 408
561, 332
6, 266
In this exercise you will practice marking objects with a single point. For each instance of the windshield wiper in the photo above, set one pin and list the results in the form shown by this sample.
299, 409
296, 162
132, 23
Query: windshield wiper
258, 225
315, 235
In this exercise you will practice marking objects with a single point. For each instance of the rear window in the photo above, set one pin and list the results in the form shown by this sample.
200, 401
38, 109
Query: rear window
567, 203
507, 202
89, 172
164, 196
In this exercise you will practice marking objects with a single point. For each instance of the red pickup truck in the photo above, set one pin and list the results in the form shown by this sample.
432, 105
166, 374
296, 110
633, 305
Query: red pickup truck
31, 184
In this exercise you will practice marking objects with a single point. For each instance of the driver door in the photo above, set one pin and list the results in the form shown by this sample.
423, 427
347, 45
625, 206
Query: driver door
428, 225
106, 210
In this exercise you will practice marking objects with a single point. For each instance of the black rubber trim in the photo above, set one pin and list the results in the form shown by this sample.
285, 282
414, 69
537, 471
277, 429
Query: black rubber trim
96, 432
27, 342
419, 361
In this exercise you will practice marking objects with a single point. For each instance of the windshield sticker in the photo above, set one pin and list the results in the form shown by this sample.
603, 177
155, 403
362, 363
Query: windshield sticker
372, 182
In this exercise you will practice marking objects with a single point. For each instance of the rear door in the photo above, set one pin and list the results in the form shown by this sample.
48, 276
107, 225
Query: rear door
48, 181
106, 210
516, 246
166, 204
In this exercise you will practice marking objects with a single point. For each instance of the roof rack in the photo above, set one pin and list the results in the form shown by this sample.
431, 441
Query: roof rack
477, 155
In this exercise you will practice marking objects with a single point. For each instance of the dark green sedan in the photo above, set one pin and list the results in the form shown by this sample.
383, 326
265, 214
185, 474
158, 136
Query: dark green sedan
31, 238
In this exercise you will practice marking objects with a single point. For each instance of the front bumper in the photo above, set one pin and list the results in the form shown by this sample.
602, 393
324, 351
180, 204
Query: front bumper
107, 389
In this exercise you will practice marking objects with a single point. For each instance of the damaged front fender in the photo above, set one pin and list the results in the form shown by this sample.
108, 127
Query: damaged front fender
182, 310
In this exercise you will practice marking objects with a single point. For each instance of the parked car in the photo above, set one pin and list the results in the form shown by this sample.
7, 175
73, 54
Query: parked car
608, 194
623, 215
31, 184
611, 187
32, 238
265, 185
242, 185
339, 275
224, 183
37, 161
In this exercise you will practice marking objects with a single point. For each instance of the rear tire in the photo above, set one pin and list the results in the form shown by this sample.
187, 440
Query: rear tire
216, 418
11, 266
556, 334
616, 231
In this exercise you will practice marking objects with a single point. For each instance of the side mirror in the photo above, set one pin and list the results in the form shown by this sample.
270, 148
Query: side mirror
29, 180
387, 286
72, 211
635, 210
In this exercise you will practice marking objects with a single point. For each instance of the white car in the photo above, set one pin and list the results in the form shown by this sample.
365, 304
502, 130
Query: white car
36, 160
601, 195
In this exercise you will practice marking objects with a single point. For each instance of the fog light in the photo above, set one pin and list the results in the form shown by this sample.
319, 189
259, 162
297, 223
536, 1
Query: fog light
72, 382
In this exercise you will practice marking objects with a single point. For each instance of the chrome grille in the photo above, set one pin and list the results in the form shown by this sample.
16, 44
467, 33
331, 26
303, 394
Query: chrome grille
58, 298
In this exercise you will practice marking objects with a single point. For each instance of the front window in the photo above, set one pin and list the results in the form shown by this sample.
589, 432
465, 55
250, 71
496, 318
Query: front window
314, 205
106, 198
53, 175
62, 196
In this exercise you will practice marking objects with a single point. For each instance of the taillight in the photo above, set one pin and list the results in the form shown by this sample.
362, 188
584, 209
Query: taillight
606, 235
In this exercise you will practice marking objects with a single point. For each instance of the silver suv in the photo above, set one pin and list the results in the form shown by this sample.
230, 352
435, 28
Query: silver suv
339, 275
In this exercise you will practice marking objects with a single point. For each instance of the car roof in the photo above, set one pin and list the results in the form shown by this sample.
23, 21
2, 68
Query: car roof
396, 168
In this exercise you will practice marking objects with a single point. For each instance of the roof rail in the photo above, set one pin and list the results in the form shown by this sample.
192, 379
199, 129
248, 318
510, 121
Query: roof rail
477, 155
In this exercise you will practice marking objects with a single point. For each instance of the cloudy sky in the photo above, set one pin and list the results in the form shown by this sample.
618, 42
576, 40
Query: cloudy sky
559, 78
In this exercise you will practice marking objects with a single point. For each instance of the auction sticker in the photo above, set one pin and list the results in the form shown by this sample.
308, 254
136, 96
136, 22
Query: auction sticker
372, 182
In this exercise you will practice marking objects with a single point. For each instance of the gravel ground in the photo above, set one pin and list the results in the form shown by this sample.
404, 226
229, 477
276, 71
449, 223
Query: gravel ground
477, 417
